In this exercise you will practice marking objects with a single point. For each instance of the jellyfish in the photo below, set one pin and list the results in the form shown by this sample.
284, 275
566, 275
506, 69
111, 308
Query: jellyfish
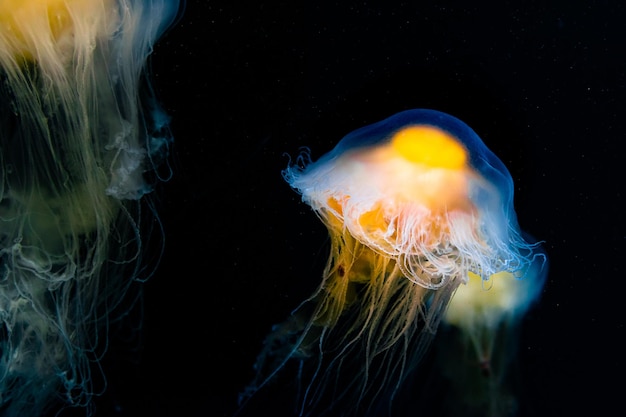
423, 236
83, 142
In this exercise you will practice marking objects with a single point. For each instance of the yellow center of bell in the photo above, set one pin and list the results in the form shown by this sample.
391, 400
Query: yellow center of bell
430, 146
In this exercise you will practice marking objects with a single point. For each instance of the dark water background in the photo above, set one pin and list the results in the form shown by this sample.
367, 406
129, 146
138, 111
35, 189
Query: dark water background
543, 84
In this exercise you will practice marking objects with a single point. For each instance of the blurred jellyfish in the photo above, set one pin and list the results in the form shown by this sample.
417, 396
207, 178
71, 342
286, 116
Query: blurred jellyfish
422, 229
80, 141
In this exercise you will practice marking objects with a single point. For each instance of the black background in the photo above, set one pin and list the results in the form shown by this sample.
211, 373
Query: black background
246, 83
